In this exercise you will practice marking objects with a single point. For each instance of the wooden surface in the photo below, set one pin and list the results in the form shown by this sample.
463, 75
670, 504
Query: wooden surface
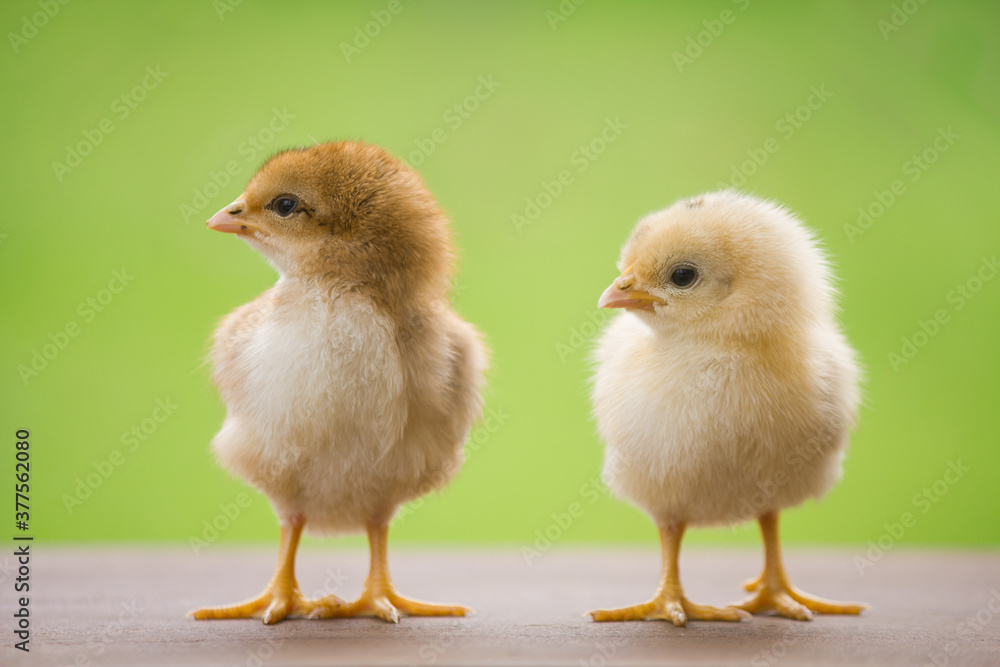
126, 606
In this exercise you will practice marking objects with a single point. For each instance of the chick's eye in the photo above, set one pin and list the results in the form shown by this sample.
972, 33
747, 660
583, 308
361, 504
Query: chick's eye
284, 206
683, 276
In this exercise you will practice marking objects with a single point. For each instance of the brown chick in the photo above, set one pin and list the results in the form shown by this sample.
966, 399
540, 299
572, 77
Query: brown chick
351, 385
724, 390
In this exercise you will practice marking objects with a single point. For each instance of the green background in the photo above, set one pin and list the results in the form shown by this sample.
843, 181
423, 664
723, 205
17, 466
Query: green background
531, 291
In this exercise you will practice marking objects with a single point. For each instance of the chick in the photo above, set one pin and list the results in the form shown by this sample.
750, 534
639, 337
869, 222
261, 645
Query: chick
725, 390
351, 385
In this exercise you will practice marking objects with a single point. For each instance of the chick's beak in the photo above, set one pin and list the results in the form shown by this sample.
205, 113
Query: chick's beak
229, 219
623, 294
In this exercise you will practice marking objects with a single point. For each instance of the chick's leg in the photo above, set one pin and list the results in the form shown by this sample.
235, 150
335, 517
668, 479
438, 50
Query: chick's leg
772, 591
669, 604
379, 597
282, 597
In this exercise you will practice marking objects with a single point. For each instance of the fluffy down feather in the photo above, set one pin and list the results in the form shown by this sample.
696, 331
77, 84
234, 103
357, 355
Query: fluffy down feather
733, 383
351, 385
725, 390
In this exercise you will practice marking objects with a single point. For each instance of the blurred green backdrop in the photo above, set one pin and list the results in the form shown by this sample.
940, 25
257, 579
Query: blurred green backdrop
127, 124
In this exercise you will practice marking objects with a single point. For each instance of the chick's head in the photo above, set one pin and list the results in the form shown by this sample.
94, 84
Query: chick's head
345, 212
722, 266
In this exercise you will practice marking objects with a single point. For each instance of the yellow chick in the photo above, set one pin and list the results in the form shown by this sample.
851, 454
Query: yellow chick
725, 390
351, 385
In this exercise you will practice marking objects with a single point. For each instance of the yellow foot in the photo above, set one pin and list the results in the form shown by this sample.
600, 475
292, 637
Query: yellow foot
272, 606
388, 606
677, 610
750, 585
790, 602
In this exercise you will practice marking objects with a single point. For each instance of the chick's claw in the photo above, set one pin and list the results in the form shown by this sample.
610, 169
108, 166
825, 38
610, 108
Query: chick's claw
441, 610
700, 612
781, 602
419, 608
823, 606
272, 606
751, 585
772, 590
792, 603
678, 611
389, 605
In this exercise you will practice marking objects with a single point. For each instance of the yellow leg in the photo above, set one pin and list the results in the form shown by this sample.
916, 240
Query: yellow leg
669, 604
282, 597
379, 597
772, 592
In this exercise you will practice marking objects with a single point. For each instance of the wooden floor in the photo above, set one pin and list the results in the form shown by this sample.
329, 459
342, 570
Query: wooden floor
127, 607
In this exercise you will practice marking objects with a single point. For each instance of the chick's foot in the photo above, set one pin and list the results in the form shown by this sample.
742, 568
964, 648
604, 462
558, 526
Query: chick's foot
675, 608
790, 602
772, 590
669, 604
389, 606
282, 597
750, 585
275, 604
379, 597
